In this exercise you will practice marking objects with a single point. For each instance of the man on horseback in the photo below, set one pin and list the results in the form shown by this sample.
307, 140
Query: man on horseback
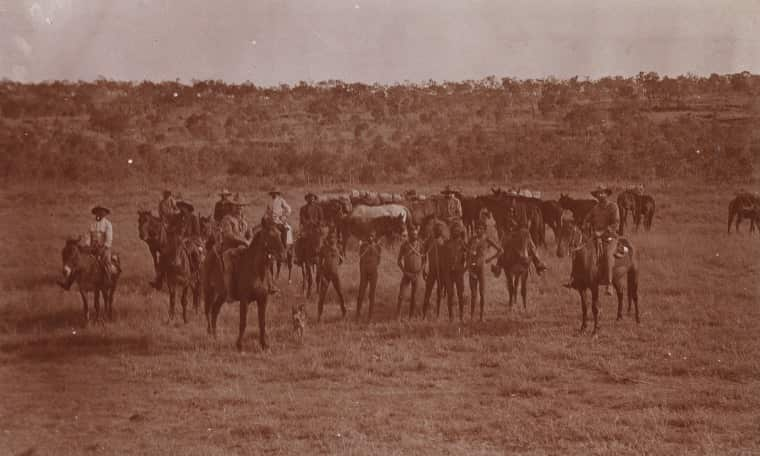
453, 214
224, 206
604, 220
236, 236
515, 227
278, 211
182, 226
310, 216
167, 207
100, 240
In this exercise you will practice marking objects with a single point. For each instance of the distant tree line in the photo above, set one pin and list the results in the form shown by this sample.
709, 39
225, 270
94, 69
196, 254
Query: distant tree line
498, 129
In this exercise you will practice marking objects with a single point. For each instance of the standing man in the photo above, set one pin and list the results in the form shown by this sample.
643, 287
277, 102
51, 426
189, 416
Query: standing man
604, 219
311, 215
432, 262
410, 262
329, 261
515, 227
223, 206
369, 260
476, 260
454, 261
278, 211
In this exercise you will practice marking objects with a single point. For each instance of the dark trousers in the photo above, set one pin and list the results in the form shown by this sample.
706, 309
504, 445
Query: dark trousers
431, 281
330, 277
367, 277
409, 279
455, 282
477, 289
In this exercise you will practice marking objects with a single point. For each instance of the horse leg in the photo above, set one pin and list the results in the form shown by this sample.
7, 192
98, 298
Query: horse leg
207, 306
633, 290
184, 304
96, 300
290, 267
730, 219
619, 293
584, 309
595, 308
215, 313
262, 311
510, 287
108, 297
243, 322
524, 289
86, 307
172, 290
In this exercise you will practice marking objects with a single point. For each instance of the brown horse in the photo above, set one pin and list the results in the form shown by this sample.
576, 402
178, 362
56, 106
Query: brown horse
249, 281
552, 213
579, 207
516, 265
183, 271
645, 212
587, 270
744, 205
628, 203
81, 265
150, 230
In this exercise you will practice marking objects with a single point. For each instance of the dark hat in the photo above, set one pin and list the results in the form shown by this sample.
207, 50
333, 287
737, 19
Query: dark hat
447, 191
167, 193
100, 210
274, 191
310, 196
601, 189
225, 192
185, 206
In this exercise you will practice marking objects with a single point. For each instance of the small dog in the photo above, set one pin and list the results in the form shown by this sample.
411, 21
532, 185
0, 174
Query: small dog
299, 321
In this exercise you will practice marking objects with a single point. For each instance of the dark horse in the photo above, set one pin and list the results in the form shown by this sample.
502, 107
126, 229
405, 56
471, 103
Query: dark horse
306, 248
516, 265
552, 212
744, 205
88, 272
586, 270
628, 204
579, 207
183, 271
249, 281
645, 212
150, 231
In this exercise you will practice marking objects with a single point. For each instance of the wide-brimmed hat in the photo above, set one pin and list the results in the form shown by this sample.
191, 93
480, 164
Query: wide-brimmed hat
225, 192
310, 196
100, 210
274, 191
184, 205
601, 188
167, 193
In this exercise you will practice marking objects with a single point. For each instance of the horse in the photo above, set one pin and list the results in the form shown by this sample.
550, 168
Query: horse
286, 259
88, 272
645, 212
150, 230
579, 207
516, 265
306, 250
389, 226
183, 271
744, 205
249, 281
628, 203
552, 213
587, 270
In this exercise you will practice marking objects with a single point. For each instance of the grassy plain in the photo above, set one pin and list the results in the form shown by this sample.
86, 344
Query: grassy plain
684, 381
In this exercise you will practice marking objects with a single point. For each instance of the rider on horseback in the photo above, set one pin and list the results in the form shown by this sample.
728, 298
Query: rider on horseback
278, 211
236, 236
224, 206
453, 215
603, 220
310, 216
100, 240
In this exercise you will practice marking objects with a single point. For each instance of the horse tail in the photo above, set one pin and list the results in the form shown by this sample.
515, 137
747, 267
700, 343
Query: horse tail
731, 211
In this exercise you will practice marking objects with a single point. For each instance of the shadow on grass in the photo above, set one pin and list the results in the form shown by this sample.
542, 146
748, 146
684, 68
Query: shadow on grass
70, 346
44, 323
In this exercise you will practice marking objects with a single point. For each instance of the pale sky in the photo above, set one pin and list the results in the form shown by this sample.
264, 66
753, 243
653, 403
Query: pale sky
273, 41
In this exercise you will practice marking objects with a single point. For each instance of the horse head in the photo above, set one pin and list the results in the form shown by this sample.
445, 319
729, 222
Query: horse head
144, 224
564, 200
70, 256
270, 241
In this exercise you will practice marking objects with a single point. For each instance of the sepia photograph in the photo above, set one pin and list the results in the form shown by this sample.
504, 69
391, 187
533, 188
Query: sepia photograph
379, 227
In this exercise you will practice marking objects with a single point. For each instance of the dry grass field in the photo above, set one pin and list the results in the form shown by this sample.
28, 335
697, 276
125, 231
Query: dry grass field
684, 381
